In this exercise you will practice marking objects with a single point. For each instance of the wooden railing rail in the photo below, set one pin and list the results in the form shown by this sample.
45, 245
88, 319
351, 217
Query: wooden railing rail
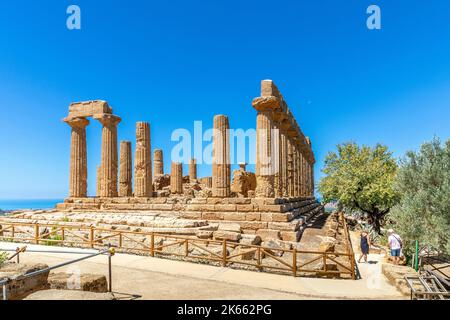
263, 258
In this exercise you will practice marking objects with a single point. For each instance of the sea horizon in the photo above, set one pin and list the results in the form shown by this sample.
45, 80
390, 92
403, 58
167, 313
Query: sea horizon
20, 204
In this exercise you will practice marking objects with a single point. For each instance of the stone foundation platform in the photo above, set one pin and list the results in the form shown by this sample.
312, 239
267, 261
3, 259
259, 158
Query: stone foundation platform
268, 218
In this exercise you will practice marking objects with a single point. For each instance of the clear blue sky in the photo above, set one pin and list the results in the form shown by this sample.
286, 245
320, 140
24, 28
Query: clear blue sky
173, 62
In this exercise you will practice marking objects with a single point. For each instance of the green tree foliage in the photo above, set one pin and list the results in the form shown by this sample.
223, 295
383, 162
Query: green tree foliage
424, 211
3, 257
361, 179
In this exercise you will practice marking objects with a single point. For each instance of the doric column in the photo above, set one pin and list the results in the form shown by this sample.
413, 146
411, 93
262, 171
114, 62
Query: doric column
284, 164
264, 157
125, 182
143, 186
193, 170
99, 181
277, 161
299, 172
312, 178
176, 178
301, 175
290, 149
221, 169
158, 163
295, 167
78, 157
109, 166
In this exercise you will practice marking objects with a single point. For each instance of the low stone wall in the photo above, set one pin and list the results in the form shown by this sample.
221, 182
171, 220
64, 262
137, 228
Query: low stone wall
19, 285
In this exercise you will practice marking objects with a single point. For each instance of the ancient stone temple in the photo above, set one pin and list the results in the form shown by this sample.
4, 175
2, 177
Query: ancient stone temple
271, 203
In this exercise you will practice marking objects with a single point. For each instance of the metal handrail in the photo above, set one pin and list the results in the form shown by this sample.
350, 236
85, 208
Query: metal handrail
110, 252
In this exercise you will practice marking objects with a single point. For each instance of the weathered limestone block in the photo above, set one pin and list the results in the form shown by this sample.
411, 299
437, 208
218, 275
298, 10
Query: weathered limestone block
109, 163
125, 182
19, 286
290, 235
227, 235
275, 247
243, 182
204, 234
253, 216
142, 163
250, 239
161, 181
78, 157
255, 225
85, 282
267, 234
234, 216
234, 227
176, 178
221, 169
88, 108
158, 163
327, 246
207, 181
285, 226
193, 170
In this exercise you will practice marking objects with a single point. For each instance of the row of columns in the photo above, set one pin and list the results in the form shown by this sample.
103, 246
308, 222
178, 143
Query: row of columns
284, 157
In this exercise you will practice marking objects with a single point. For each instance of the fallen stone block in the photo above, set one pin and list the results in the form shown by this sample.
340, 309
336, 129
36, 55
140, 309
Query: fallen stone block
227, 235
20, 286
267, 234
83, 282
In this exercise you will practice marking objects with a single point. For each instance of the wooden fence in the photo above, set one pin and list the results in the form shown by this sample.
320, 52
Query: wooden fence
220, 252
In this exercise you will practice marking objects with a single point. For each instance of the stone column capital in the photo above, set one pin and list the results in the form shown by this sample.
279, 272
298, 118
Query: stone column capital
76, 122
108, 119
266, 103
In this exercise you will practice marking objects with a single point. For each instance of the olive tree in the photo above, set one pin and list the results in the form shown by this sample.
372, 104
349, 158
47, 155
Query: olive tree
424, 210
361, 179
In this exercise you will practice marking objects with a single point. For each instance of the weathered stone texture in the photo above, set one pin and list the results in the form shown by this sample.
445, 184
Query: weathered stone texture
243, 182
109, 163
142, 162
221, 169
193, 170
125, 178
176, 178
158, 163
78, 157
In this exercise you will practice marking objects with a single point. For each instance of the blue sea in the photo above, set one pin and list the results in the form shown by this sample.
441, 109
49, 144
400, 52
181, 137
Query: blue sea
19, 204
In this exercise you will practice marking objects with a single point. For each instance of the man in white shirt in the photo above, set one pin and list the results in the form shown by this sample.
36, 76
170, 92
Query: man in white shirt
395, 244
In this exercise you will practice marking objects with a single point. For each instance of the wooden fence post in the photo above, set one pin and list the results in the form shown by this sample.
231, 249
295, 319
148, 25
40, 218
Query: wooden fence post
294, 262
152, 245
36, 233
91, 237
224, 253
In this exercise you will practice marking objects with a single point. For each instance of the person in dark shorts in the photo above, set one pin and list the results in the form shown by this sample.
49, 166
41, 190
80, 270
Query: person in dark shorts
364, 245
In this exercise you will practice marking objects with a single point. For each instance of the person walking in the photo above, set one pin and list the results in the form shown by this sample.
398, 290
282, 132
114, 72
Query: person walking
364, 245
395, 244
